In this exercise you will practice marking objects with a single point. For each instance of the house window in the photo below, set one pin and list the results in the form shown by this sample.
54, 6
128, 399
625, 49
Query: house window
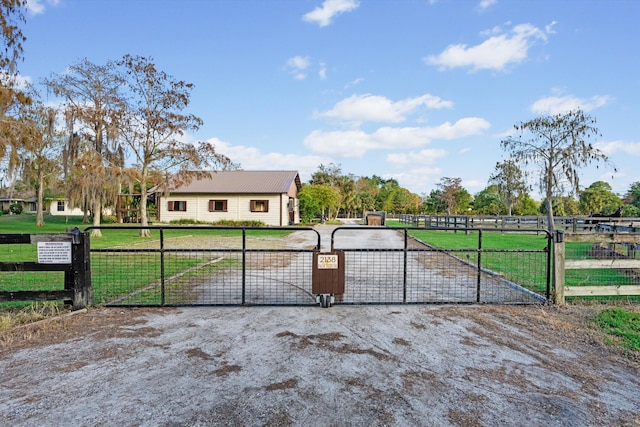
60, 206
217, 205
178, 205
259, 206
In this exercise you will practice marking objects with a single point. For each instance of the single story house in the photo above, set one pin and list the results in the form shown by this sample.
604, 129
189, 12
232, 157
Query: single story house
267, 196
51, 207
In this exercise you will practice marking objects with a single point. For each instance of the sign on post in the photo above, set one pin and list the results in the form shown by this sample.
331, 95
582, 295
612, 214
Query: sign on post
328, 273
54, 252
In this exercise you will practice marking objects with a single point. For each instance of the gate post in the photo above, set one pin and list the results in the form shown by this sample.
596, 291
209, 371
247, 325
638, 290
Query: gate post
81, 271
558, 267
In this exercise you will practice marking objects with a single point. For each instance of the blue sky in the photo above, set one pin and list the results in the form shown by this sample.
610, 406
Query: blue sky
414, 90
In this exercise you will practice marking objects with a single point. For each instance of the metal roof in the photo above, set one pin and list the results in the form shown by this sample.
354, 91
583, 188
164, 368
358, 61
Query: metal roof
244, 182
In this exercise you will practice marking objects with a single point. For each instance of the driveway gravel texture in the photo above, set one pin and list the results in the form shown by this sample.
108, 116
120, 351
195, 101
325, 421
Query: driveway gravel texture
405, 365
348, 365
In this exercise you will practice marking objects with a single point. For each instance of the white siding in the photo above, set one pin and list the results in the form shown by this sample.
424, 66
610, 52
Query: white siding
53, 209
238, 208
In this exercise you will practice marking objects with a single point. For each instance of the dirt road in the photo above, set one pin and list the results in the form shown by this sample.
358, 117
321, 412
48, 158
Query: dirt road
306, 366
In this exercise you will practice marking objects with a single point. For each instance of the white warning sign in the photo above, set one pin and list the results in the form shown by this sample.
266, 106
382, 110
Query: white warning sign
54, 252
327, 262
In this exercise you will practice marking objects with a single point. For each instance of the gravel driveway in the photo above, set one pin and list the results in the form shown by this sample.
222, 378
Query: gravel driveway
307, 366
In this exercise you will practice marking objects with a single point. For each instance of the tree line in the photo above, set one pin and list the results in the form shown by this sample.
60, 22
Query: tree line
331, 193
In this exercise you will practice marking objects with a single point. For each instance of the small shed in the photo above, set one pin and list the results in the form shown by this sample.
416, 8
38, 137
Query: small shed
374, 218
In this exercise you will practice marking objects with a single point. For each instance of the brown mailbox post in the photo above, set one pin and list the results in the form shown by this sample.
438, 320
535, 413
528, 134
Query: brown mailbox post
328, 276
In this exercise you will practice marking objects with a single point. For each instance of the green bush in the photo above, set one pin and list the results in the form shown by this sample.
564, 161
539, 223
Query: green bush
222, 222
15, 208
186, 221
243, 223
108, 219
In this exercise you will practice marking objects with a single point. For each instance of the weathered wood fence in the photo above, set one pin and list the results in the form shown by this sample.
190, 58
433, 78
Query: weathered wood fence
628, 261
56, 252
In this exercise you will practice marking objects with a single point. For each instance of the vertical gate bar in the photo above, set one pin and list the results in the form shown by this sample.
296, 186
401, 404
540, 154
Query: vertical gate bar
479, 265
162, 296
404, 279
244, 265
550, 250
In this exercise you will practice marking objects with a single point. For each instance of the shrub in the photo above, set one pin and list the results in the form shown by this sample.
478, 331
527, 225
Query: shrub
15, 208
221, 223
186, 221
108, 219
242, 223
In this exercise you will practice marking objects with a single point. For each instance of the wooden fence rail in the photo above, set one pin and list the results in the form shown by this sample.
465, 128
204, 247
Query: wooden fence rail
56, 252
566, 223
561, 264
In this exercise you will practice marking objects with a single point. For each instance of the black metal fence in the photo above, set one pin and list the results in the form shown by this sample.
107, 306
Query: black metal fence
206, 265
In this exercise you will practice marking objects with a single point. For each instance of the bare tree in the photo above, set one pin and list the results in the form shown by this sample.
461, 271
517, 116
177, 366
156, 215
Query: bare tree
558, 145
93, 109
510, 182
153, 128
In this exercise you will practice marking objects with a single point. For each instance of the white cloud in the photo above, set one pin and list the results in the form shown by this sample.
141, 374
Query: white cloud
485, 4
355, 143
323, 71
329, 9
419, 180
297, 67
563, 104
474, 185
426, 156
354, 82
19, 81
381, 109
495, 53
625, 147
251, 158
36, 7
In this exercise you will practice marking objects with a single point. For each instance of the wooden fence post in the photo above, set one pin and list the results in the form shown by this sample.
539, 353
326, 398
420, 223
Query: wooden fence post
558, 267
81, 267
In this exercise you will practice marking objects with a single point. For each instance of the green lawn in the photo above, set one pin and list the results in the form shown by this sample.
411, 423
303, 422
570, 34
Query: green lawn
622, 327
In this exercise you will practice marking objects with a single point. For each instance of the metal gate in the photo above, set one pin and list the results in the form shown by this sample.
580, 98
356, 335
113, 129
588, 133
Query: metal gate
390, 266
205, 265
208, 265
